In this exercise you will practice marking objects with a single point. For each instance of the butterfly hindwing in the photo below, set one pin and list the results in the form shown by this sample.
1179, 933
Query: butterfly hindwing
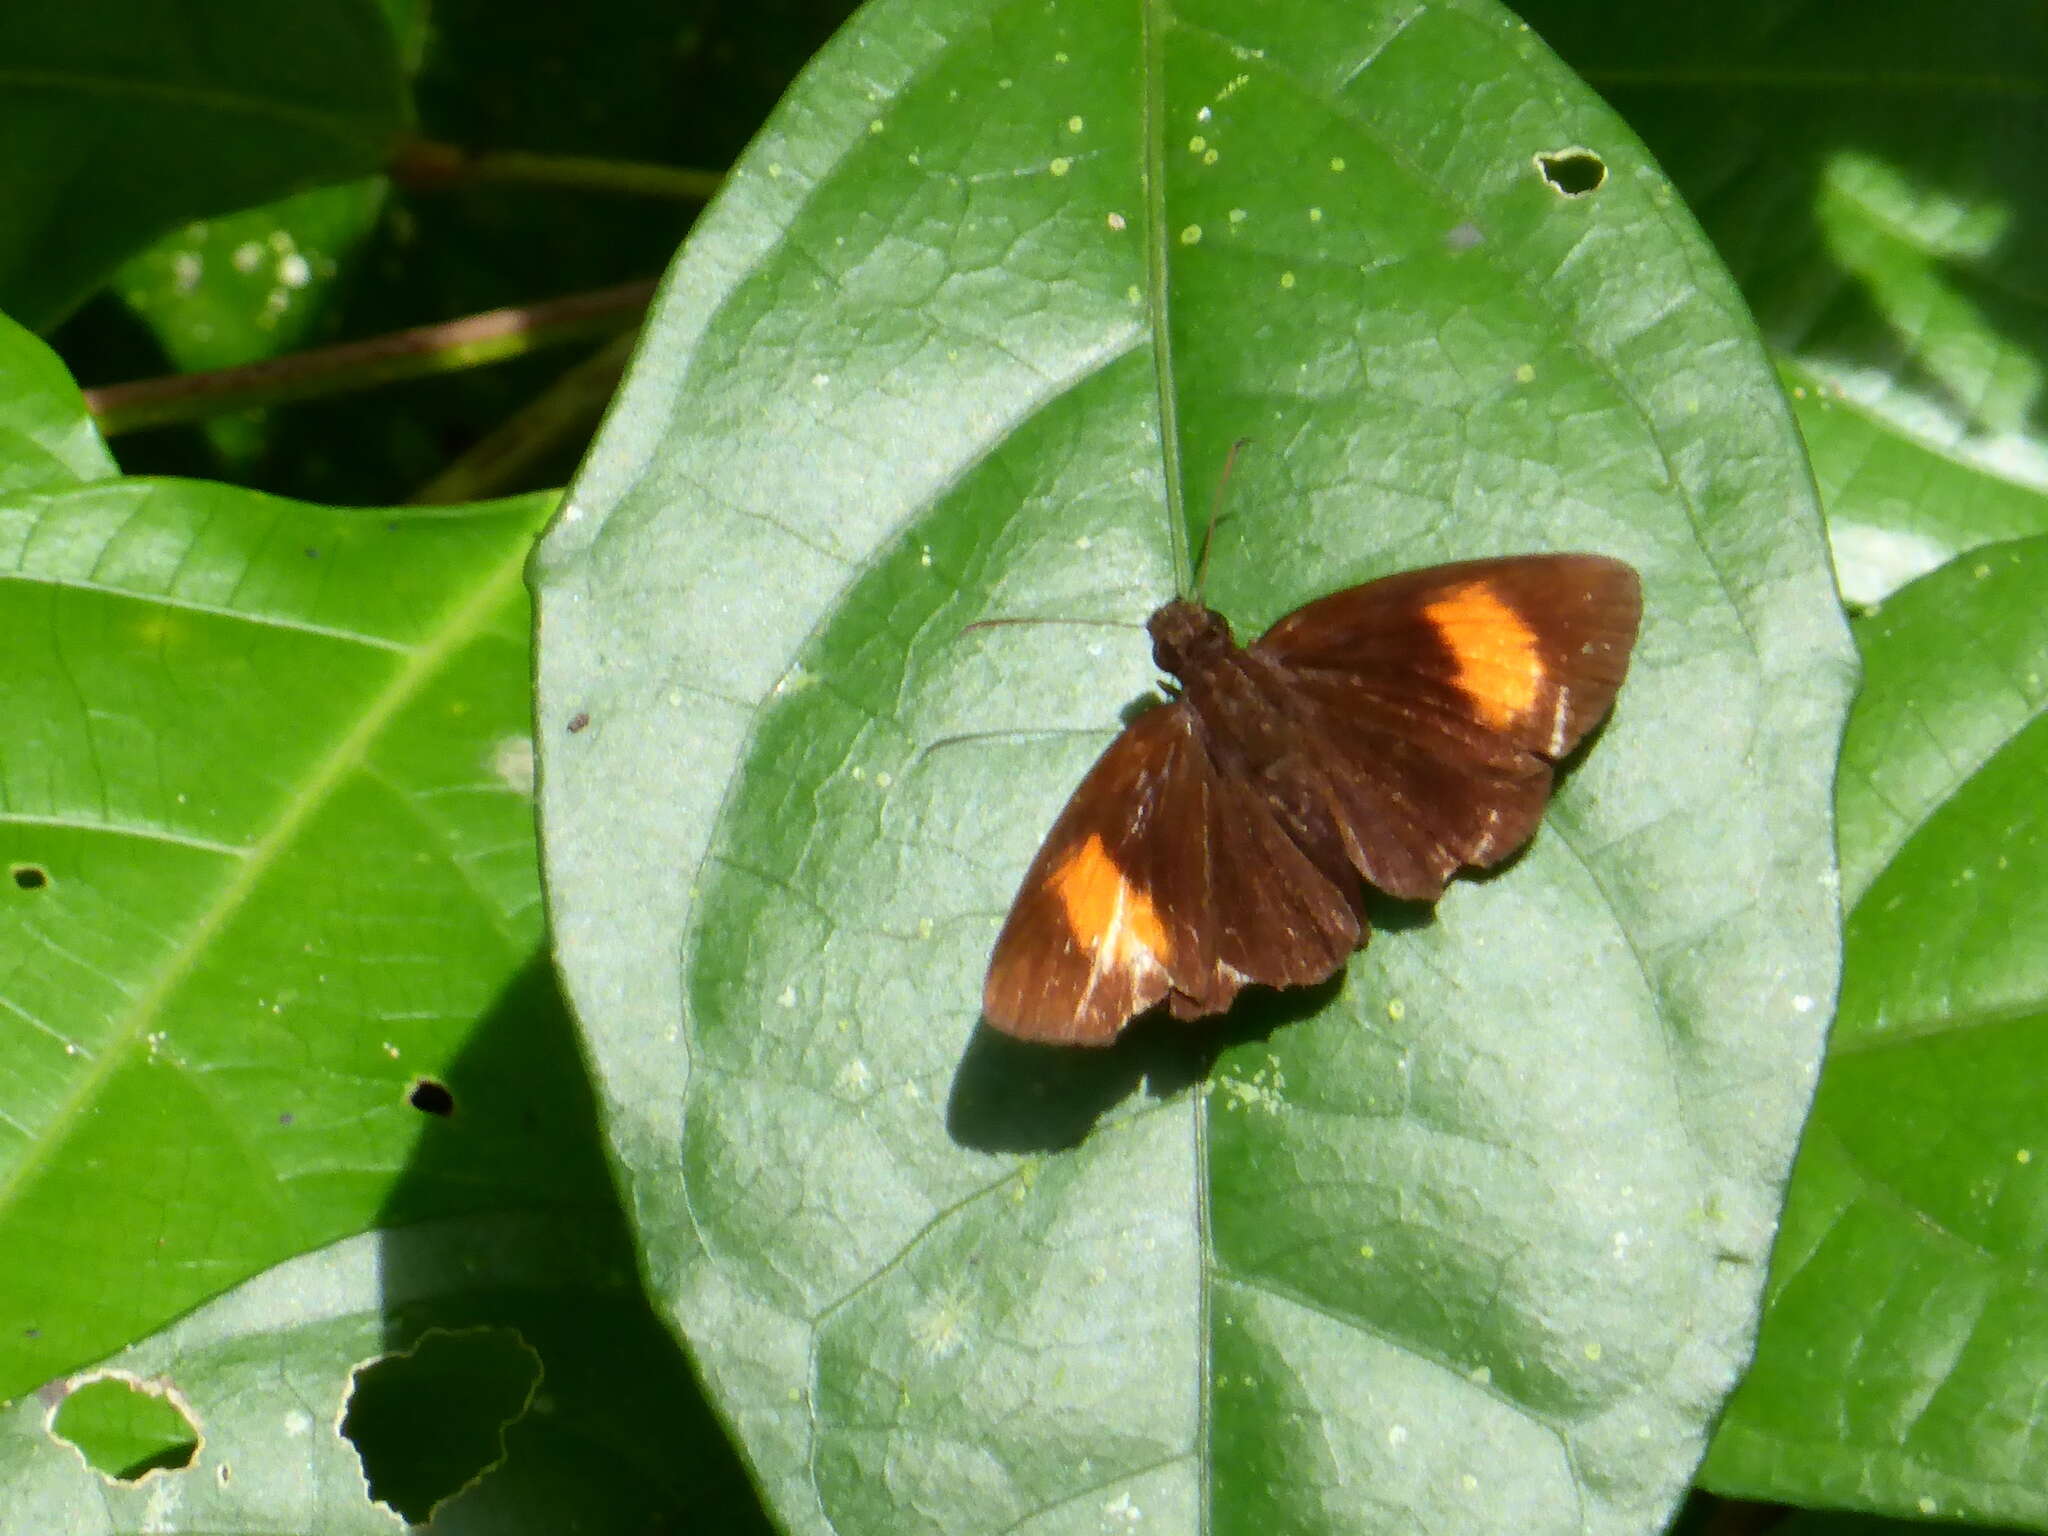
1162, 880
1417, 797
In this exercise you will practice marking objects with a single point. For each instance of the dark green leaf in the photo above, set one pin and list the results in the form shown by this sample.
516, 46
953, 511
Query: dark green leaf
1470, 1242
125, 117
1877, 190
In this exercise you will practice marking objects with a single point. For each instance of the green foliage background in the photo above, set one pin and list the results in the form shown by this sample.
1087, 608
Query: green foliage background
267, 793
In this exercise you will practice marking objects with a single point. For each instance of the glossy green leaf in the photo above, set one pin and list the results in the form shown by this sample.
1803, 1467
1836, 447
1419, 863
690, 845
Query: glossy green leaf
1898, 507
123, 118
267, 866
1469, 1241
47, 439
1900, 1363
265, 807
264, 798
1876, 190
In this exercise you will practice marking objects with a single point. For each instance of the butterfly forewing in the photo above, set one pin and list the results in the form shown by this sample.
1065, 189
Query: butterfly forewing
1530, 648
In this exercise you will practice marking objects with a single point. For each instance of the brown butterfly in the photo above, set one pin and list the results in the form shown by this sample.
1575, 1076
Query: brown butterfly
1394, 732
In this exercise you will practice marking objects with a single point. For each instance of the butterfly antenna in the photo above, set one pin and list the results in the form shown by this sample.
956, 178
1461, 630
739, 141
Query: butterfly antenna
1216, 512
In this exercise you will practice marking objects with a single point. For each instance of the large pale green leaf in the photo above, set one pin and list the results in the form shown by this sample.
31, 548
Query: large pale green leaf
1471, 1241
1902, 1356
121, 118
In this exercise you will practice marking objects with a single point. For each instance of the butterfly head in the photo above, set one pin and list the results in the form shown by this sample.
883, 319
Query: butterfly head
1185, 635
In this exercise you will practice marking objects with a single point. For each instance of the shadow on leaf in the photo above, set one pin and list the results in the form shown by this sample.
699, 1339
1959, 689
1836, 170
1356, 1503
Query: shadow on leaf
506, 1221
1013, 1095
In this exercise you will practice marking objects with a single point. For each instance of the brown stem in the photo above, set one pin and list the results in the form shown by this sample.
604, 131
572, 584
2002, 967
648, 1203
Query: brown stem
428, 164
469, 342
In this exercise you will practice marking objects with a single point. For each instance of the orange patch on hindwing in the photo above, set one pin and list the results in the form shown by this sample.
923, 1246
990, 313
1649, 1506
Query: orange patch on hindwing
1494, 650
1109, 917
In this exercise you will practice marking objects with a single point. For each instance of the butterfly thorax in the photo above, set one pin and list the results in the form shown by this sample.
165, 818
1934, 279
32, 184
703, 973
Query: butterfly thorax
1244, 723
1188, 638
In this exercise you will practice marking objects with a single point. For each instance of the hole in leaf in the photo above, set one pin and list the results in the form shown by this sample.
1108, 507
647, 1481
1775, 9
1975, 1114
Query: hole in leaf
1572, 172
430, 1422
127, 1428
31, 877
431, 1098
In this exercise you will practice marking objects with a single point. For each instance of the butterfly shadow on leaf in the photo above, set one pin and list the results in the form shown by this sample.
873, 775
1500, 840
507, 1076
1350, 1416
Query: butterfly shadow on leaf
1013, 1095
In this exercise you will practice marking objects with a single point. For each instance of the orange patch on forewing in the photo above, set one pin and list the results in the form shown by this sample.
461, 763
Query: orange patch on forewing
1109, 916
1499, 668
